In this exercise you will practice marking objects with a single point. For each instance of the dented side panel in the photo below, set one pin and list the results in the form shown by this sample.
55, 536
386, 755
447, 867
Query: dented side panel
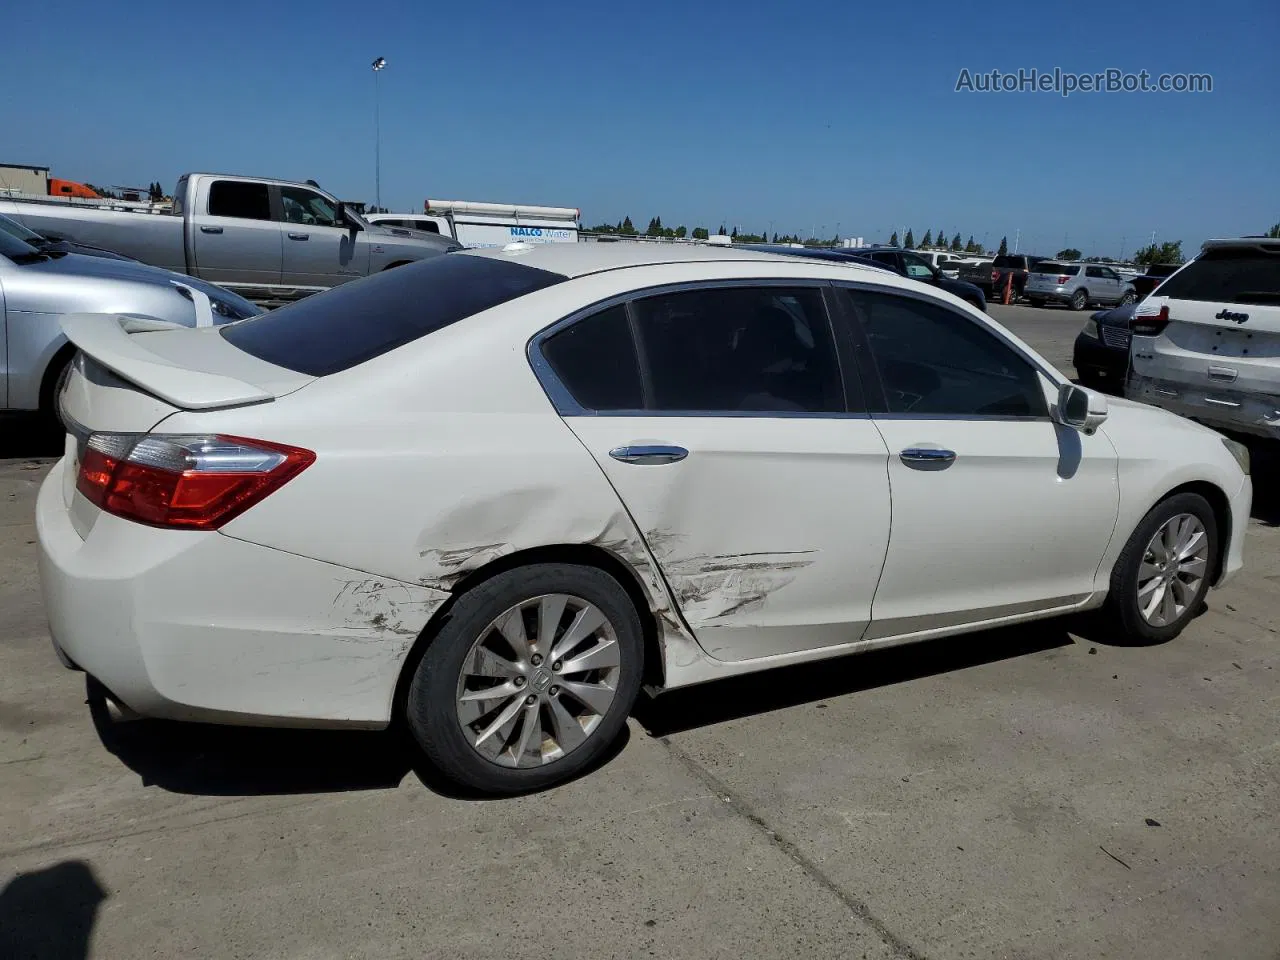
771, 533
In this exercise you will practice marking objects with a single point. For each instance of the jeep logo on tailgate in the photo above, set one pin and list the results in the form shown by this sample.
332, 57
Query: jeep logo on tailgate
1233, 317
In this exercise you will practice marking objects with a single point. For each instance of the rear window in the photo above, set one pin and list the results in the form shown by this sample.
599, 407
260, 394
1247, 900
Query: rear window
1010, 261
234, 198
358, 321
1062, 269
1228, 275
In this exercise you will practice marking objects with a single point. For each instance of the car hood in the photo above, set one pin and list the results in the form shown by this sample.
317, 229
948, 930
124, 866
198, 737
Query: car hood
1116, 316
419, 238
961, 288
78, 265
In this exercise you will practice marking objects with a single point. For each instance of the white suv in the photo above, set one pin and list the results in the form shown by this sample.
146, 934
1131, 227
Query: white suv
1206, 342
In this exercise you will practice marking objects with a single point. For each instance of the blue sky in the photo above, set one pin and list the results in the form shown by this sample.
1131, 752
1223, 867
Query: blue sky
786, 116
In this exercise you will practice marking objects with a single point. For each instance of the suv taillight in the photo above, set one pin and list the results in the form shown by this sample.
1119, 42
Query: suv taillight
1150, 324
1063, 279
184, 482
995, 275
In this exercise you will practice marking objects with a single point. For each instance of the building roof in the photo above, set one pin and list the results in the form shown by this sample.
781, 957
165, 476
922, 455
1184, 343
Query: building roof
24, 166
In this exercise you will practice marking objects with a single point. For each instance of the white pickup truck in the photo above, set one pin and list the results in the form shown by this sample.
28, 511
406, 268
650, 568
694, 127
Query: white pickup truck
475, 224
269, 240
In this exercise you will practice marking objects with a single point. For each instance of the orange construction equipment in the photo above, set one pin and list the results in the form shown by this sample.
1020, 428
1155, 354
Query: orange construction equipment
1008, 289
69, 188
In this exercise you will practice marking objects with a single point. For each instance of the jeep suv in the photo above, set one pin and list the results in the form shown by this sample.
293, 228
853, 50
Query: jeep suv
1206, 343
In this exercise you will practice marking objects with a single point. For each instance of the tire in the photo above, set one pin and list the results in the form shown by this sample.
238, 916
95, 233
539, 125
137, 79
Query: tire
1079, 300
1123, 613
57, 374
1035, 301
1128, 298
514, 757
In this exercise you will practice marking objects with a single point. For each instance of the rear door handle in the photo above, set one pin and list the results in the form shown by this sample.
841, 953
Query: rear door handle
649, 453
210, 229
927, 458
299, 236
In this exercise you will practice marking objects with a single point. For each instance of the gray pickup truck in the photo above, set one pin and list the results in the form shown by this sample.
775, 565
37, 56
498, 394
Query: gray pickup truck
269, 240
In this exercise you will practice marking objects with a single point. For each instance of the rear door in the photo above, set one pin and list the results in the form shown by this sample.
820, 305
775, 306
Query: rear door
1222, 326
319, 250
1096, 282
720, 416
235, 238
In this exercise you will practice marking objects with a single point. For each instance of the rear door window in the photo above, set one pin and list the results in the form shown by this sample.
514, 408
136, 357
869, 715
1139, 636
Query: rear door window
1229, 275
595, 359
739, 349
364, 319
235, 198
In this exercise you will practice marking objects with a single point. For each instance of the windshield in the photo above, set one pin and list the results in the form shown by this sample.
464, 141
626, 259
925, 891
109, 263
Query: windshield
13, 241
1228, 275
316, 336
14, 228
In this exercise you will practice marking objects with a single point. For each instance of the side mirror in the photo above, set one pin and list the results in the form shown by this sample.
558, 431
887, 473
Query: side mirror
345, 219
1081, 409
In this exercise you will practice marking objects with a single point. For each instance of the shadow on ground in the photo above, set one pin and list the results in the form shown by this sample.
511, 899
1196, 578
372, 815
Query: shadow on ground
49, 914
211, 760
1265, 466
807, 683
23, 436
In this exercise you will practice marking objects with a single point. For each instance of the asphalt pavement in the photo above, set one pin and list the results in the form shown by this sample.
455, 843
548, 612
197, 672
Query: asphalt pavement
1029, 793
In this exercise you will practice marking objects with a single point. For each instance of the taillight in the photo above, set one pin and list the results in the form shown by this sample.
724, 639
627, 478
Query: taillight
1150, 324
995, 275
186, 482
1063, 279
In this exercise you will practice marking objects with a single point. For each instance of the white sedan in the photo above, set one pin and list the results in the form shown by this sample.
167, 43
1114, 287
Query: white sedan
494, 493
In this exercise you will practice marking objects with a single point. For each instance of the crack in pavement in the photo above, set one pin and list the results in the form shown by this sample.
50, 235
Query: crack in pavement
743, 809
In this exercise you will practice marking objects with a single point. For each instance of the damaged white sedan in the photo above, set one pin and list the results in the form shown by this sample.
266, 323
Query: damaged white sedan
493, 494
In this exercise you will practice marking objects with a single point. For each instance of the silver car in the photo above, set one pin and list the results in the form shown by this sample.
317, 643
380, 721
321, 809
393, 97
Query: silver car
1077, 285
37, 287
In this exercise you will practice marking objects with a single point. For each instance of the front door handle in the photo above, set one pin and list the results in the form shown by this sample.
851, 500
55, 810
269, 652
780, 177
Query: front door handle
649, 453
299, 236
210, 229
927, 458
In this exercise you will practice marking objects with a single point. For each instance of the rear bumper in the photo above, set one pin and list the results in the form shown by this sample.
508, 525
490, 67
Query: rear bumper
1251, 413
201, 626
1057, 294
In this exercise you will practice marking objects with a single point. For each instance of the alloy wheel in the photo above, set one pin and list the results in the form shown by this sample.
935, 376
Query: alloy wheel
1172, 570
538, 680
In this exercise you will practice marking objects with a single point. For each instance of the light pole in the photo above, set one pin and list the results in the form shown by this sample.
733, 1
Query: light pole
378, 65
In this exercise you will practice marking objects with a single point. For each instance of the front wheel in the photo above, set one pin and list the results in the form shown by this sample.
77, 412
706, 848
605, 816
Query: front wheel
1079, 300
1162, 574
530, 679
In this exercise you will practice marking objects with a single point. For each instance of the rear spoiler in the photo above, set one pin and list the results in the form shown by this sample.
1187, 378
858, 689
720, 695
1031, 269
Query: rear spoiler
107, 338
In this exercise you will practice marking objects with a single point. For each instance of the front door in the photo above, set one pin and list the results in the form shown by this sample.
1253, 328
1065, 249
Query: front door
997, 510
319, 250
725, 428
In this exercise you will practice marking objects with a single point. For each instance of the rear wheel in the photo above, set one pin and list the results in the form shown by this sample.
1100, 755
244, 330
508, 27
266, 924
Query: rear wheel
1163, 573
530, 679
1128, 298
1079, 300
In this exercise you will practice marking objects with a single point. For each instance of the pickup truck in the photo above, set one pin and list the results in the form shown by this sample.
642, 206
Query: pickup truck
991, 277
269, 240
1156, 273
